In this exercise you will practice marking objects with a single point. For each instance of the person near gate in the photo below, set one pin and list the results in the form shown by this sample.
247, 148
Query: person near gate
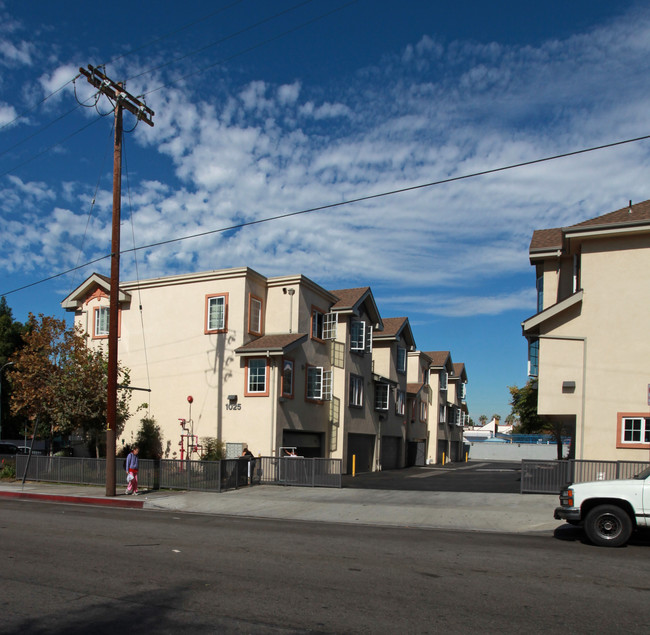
132, 471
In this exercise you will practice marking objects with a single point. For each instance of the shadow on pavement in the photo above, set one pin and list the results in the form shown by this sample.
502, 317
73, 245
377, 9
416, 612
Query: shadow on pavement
481, 477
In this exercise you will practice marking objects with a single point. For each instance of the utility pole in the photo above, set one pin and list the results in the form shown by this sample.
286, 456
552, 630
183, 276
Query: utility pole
121, 99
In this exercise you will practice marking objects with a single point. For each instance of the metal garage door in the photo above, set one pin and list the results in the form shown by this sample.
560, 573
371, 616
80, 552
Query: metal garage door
390, 453
363, 447
307, 444
417, 453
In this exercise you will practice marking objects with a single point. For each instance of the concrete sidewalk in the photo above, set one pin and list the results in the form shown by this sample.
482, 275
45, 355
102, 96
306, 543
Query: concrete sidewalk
503, 513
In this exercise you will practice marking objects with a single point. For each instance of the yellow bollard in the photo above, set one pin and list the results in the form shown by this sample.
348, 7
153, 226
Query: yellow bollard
354, 464
443, 458
466, 456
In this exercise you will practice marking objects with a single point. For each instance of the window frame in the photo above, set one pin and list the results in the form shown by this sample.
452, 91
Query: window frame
355, 397
97, 312
401, 357
224, 328
318, 335
533, 357
644, 431
423, 411
384, 405
400, 402
257, 393
357, 346
309, 372
252, 299
283, 393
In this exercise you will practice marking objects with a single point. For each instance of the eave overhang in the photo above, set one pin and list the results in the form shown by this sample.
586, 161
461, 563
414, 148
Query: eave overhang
532, 324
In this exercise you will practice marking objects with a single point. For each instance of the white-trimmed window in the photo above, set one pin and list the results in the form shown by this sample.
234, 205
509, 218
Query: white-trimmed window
635, 430
382, 396
216, 311
533, 357
101, 321
443, 414
443, 380
254, 315
329, 326
356, 390
323, 325
462, 391
358, 336
423, 411
400, 401
287, 378
401, 359
319, 383
257, 376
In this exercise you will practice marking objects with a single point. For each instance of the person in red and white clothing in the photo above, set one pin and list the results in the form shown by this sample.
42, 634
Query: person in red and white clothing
132, 471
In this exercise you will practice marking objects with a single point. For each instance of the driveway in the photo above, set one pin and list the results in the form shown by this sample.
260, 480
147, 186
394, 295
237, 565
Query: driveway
496, 477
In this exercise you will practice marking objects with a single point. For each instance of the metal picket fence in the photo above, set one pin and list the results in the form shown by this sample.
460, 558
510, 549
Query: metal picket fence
206, 476
550, 477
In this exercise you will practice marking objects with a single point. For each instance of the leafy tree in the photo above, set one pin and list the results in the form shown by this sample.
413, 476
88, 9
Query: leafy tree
149, 439
496, 417
524, 407
213, 449
62, 384
11, 340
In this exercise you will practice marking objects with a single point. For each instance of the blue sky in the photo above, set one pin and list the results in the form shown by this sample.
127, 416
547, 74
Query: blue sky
264, 109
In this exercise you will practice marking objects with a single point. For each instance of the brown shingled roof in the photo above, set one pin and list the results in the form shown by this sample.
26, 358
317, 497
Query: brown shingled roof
637, 213
276, 343
438, 358
348, 297
544, 239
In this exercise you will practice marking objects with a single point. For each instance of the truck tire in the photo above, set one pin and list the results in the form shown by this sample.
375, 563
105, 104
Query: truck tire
608, 526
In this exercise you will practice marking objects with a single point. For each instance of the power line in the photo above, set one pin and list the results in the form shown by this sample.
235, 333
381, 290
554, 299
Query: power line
360, 199
222, 40
251, 48
115, 59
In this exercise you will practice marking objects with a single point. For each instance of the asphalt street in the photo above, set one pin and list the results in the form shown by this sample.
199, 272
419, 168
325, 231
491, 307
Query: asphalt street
74, 569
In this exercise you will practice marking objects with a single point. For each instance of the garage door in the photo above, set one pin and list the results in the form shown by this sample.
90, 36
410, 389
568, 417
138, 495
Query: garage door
391, 453
362, 446
417, 453
307, 444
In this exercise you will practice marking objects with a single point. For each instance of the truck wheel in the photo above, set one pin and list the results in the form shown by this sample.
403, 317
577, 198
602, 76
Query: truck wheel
608, 526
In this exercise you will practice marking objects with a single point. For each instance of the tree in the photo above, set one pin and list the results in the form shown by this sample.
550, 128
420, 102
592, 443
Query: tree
482, 420
62, 384
11, 340
213, 449
524, 406
149, 439
496, 417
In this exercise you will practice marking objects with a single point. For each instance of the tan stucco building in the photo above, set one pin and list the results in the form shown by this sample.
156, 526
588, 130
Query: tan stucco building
588, 344
270, 363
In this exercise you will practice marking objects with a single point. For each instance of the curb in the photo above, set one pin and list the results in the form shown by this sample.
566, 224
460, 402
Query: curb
78, 500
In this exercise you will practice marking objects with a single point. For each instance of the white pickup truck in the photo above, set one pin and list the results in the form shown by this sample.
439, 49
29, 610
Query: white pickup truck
608, 510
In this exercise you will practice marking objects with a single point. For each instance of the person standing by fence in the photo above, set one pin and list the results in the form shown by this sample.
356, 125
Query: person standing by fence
247, 454
132, 471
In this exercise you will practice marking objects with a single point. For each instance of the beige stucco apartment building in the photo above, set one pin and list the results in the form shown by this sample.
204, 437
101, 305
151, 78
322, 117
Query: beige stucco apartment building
269, 363
588, 344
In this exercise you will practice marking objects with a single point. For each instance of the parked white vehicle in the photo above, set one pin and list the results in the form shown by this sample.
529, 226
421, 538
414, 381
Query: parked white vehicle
609, 511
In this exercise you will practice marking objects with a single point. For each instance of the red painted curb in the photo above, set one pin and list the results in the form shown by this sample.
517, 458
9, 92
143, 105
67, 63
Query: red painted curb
80, 500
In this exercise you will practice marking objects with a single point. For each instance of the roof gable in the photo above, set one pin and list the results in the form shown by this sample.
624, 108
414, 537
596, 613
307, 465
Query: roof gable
394, 329
353, 300
88, 288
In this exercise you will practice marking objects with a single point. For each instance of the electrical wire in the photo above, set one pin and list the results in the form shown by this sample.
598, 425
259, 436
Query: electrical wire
251, 48
369, 197
58, 143
92, 202
170, 33
222, 40
137, 272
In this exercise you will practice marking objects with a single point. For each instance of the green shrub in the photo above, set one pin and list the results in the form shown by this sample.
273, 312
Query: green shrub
213, 449
7, 470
